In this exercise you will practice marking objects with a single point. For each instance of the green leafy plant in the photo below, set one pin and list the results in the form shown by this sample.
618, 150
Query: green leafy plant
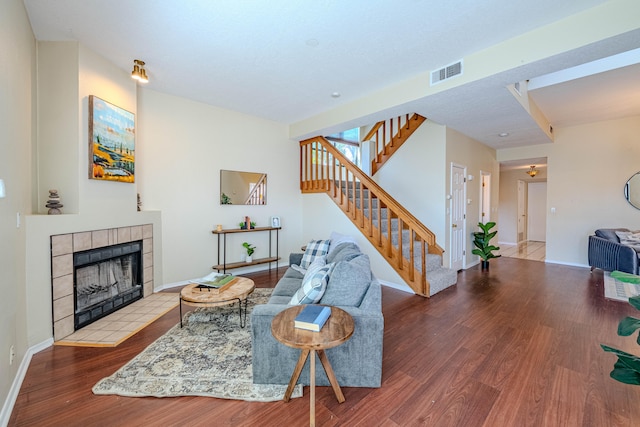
225, 200
482, 241
249, 247
627, 367
244, 227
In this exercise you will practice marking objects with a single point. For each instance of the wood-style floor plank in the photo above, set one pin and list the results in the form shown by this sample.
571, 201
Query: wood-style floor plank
515, 346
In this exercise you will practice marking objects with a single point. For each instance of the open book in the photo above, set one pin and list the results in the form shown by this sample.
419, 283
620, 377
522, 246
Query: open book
214, 280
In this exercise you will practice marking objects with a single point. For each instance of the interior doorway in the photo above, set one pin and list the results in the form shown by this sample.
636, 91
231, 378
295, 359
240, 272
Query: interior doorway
457, 214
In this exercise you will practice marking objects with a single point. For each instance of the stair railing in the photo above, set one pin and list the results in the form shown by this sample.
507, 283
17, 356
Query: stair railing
323, 169
258, 193
388, 135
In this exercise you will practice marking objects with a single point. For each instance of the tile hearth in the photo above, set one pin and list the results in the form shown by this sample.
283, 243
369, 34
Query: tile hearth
117, 327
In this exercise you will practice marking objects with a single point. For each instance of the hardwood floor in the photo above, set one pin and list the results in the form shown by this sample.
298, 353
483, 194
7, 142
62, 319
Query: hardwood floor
534, 251
515, 346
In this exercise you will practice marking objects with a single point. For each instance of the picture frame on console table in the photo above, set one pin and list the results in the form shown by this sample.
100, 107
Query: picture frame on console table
275, 221
111, 142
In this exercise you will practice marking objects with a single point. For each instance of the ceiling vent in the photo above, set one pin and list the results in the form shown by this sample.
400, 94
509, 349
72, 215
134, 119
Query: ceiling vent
447, 72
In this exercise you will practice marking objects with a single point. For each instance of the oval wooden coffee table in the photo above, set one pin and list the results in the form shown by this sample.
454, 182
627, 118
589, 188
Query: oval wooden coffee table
203, 297
338, 329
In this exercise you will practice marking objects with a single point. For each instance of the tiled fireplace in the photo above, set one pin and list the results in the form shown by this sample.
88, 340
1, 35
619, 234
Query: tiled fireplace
64, 247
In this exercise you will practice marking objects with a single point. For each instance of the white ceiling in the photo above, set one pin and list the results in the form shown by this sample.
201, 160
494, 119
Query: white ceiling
282, 59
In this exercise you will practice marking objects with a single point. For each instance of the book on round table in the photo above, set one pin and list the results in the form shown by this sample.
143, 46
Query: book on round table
312, 317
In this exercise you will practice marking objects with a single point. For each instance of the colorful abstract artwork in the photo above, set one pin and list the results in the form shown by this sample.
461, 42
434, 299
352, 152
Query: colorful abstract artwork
111, 142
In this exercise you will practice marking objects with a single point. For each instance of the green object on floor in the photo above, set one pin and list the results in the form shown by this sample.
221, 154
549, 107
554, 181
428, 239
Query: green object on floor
626, 277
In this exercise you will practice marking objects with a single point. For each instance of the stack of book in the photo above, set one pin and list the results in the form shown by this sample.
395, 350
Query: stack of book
312, 317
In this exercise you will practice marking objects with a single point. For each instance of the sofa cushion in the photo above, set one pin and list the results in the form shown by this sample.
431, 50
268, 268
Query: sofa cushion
287, 286
313, 285
344, 252
348, 282
629, 238
610, 233
337, 239
315, 248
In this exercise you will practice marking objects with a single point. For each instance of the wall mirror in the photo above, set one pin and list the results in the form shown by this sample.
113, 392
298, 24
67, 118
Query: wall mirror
632, 190
243, 188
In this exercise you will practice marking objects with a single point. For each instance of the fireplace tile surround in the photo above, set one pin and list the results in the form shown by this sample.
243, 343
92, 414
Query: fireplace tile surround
63, 246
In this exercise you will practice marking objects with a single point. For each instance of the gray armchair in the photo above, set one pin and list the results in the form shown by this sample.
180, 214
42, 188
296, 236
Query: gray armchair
607, 253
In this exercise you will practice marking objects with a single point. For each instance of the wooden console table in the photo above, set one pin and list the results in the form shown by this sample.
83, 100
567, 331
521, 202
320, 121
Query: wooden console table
224, 265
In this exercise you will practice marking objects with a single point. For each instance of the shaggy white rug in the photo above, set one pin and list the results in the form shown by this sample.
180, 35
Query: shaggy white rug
209, 356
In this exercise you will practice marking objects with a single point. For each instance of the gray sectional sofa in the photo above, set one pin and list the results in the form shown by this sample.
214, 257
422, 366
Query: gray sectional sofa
352, 287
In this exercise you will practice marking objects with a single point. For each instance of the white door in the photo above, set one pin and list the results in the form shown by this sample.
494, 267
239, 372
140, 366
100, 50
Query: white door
457, 216
485, 197
537, 211
522, 215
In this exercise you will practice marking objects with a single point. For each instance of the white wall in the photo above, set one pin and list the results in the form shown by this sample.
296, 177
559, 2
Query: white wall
588, 166
415, 177
477, 157
183, 146
17, 135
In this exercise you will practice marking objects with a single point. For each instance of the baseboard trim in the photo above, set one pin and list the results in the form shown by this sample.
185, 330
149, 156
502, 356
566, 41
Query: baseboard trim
10, 401
400, 287
570, 264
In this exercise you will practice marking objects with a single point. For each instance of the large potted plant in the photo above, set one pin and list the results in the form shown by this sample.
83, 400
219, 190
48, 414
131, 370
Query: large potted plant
627, 367
482, 241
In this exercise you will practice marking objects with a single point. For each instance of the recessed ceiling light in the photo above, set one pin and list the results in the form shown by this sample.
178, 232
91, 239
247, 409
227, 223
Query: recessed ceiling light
503, 134
335, 95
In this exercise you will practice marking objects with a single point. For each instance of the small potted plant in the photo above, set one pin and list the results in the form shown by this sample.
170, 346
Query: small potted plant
482, 241
250, 250
243, 225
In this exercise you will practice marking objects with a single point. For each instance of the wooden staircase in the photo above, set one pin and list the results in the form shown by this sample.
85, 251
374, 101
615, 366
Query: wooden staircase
386, 142
407, 244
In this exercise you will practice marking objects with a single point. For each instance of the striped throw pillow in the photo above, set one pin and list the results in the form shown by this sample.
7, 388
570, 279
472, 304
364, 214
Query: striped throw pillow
315, 248
313, 286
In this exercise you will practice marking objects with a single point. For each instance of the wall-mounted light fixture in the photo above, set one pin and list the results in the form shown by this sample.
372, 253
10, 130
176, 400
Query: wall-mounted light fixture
532, 172
139, 73
3, 193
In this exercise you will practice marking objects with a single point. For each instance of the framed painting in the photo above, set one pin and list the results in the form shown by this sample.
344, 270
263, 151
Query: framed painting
111, 142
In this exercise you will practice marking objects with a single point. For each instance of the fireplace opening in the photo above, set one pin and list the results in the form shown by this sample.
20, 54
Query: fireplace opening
106, 280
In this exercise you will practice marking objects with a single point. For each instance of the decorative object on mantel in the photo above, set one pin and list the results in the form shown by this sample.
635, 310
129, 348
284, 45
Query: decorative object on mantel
111, 142
250, 250
53, 203
532, 172
139, 202
170, 367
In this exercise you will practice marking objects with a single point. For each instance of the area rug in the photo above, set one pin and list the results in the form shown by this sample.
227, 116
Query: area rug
209, 356
617, 290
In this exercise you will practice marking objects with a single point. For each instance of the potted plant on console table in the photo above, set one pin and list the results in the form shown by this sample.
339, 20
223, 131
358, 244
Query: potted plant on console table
250, 250
482, 241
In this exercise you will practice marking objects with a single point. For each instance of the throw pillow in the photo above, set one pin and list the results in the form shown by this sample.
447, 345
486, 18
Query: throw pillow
313, 285
337, 238
315, 248
629, 238
349, 282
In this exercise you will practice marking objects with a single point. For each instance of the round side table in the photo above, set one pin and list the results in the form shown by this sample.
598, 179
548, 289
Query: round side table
337, 329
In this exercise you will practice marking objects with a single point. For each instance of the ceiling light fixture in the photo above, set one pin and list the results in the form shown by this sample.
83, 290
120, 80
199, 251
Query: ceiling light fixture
532, 172
335, 95
139, 73
503, 134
